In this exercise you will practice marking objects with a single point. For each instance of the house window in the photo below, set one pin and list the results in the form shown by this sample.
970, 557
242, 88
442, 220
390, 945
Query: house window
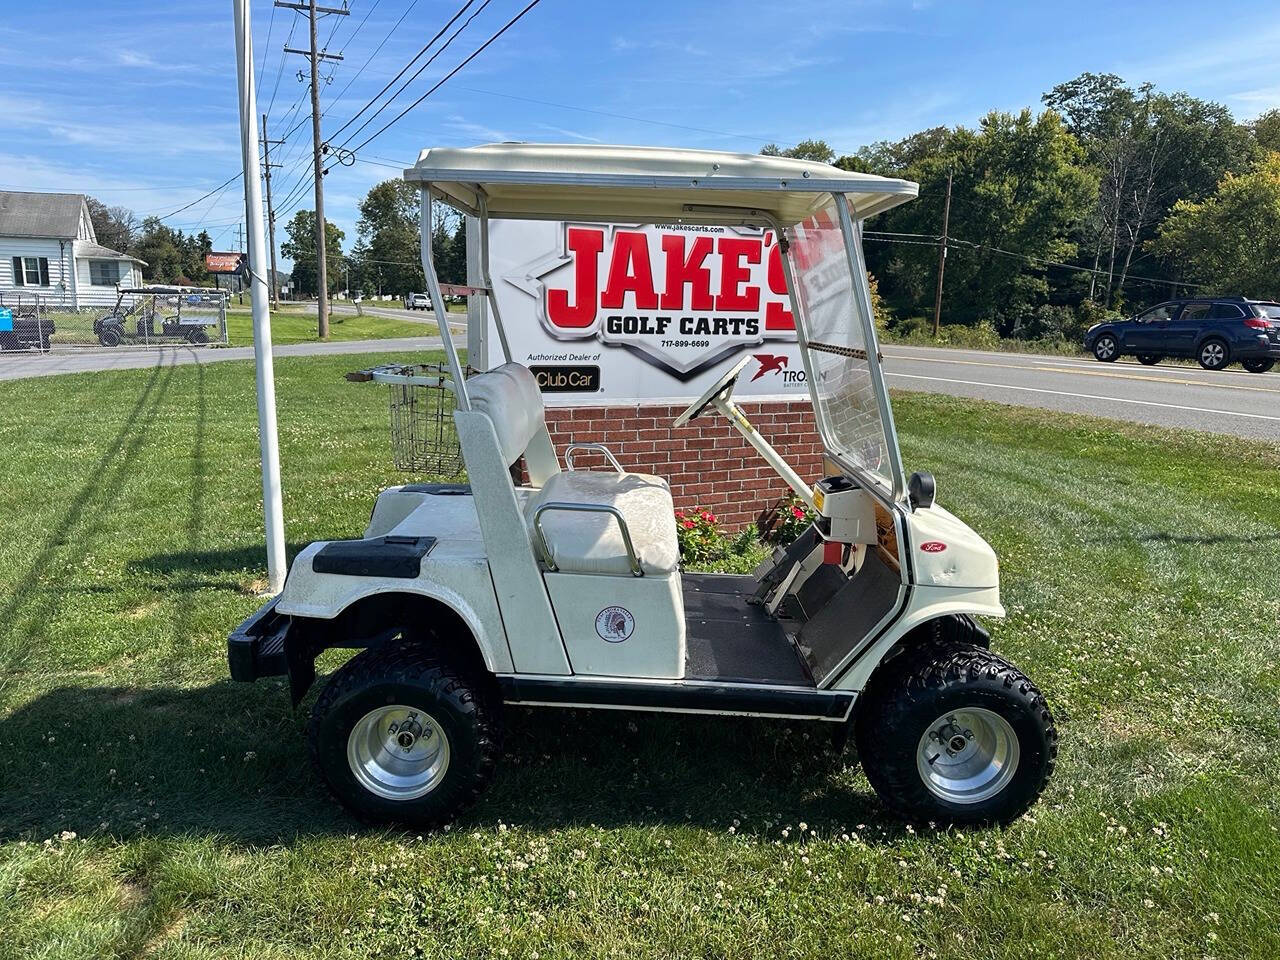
103, 273
30, 271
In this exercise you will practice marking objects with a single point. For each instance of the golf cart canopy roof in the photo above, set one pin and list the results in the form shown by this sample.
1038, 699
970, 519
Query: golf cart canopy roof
658, 184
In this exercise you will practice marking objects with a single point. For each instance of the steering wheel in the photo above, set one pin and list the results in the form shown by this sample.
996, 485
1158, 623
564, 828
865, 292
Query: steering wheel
724, 385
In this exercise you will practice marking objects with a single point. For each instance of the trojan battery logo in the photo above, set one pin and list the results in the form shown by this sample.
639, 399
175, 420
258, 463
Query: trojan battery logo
682, 297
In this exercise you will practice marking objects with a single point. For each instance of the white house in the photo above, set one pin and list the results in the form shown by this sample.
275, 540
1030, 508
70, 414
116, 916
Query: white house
48, 250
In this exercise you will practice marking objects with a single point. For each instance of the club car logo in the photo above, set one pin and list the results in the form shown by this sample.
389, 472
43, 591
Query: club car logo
615, 624
681, 296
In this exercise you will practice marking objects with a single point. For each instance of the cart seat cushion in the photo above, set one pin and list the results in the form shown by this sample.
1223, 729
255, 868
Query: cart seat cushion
592, 542
509, 396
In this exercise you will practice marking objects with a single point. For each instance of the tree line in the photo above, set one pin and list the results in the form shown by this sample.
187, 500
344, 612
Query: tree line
1110, 198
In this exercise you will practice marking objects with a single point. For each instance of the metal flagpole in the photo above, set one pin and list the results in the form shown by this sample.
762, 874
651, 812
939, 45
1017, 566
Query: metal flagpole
272, 504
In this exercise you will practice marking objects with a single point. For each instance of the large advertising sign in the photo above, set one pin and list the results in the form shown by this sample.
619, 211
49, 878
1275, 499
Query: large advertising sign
611, 313
223, 262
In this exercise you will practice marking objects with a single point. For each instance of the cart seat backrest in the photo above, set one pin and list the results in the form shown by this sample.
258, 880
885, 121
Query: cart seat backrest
509, 396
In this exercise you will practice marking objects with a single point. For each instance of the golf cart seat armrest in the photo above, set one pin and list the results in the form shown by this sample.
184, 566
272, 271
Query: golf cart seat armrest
599, 447
545, 550
256, 647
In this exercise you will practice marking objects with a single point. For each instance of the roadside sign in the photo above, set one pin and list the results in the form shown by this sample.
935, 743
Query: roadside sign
223, 262
625, 312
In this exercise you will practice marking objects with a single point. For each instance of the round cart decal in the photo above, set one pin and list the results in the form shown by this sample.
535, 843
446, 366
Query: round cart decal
933, 546
615, 624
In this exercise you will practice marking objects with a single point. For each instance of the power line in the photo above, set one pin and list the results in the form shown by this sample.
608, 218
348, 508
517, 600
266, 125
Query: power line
927, 240
266, 47
377, 49
222, 185
280, 68
443, 80
439, 33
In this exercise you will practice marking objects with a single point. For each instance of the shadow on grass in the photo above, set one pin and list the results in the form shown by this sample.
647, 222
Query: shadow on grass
200, 568
230, 760
26, 603
1194, 539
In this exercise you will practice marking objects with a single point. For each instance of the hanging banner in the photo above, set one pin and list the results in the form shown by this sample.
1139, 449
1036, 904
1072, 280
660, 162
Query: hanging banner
612, 313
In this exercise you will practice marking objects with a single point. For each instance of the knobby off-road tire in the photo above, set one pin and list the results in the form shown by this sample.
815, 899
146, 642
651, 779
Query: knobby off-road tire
405, 691
916, 696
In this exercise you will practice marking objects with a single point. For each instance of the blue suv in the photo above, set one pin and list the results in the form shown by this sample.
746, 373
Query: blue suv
1216, 331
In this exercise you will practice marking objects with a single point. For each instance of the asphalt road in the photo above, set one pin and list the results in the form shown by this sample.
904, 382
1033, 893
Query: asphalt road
23, 365
1167, 395
1230, 402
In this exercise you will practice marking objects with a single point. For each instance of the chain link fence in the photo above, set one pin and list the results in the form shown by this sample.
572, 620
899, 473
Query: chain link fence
24, 323
140, 317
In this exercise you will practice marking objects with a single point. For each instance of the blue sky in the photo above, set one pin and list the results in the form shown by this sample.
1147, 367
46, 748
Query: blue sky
135, 103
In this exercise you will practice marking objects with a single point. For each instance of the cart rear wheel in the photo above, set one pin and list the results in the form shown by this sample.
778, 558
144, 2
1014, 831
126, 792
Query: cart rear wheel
955, 734
1259, 365
1149, 359
400, 735
110, 335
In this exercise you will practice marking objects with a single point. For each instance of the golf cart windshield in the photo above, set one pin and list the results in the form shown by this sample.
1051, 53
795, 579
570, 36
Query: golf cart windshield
831, 286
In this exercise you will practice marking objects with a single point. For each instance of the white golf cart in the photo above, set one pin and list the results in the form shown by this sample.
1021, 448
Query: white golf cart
568, 591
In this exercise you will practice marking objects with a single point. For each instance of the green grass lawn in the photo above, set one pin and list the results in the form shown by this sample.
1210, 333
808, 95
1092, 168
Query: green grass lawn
151, 808
290, 325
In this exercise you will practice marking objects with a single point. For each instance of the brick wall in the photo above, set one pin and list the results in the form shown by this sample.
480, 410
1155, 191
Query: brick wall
708, 462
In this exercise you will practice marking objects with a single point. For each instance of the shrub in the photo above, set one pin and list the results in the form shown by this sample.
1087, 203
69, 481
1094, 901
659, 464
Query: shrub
791, 516
704, 546
700, 536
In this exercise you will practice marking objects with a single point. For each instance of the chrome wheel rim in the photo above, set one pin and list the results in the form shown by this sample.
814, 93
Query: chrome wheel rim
1211, 354
1106, 347
398, 752
968, 756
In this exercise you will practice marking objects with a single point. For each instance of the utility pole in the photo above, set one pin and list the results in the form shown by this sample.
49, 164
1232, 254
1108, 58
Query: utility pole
272, 501
942, 259
315, 55
271, 214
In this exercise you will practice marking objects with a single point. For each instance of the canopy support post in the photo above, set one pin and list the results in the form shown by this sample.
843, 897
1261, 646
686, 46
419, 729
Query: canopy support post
442, 311
483, 207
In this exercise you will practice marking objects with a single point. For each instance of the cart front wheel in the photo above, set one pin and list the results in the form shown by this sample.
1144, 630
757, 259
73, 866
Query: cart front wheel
956, 734
402, 736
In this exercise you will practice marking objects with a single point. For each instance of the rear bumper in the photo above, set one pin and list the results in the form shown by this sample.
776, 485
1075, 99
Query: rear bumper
256, 647
1258, 350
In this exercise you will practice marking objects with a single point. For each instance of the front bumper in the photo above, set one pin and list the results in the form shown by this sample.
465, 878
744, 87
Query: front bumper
256, 648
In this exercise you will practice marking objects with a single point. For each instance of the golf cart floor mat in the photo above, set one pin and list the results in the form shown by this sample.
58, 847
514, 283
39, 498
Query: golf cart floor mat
728, 639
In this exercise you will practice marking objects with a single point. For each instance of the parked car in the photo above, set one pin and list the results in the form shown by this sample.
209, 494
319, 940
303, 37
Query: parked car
417, 301
1216, 331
